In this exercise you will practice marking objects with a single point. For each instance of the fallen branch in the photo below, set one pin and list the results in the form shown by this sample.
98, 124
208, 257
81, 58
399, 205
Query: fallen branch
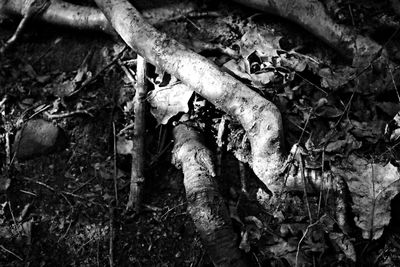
205, 204
258, 116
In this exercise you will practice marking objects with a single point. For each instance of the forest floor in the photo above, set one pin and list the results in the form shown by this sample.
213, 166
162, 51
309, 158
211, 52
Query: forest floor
60, 210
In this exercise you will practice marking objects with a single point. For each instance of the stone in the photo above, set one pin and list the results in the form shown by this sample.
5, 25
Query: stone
37, 138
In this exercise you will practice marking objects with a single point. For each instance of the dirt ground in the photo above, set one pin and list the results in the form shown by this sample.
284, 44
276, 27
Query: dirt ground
63, 202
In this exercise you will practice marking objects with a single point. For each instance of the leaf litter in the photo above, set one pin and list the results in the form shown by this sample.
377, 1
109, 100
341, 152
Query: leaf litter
337, 130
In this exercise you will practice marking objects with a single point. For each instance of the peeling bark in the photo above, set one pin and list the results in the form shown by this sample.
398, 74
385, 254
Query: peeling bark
205, 204
258, 116
311, 15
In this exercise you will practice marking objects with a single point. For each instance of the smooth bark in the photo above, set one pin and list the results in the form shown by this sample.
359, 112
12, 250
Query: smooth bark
258, 116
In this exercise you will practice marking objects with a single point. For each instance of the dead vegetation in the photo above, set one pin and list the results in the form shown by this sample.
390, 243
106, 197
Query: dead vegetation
260, 85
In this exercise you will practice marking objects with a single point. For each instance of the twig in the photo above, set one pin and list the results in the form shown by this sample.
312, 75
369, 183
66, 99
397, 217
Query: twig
351, 15
159, 154
14, 220
138, 154
322, 184
165, 215
301, 240
243, 177
82, 186
302, 166
115, 167
8, 150
192, 15
130, 126
7, 134
28, 193
394, 84
69, 114
10, 252
220, 143
44, 108
39, 183
129, 73
92, 79
112, 237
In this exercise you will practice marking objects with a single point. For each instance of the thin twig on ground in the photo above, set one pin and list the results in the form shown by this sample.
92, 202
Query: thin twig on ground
112, 237
115, 172
97, 75
138, 154
10, 252
69, 114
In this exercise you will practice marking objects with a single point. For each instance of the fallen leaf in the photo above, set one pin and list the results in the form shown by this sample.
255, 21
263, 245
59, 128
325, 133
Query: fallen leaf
168, 101
372, 186
264, 43
124, 146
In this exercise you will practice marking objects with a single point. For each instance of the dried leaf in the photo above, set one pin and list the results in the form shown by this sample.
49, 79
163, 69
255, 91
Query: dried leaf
372, 131
328, 111
264, 43
390, 108
335, 79
343, 146
4, 184
372, 187
124, 146
166, 102
236, 69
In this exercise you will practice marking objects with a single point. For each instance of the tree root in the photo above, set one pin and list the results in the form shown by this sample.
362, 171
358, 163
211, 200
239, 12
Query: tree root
205, 204
258, 116
311, 15
91, 18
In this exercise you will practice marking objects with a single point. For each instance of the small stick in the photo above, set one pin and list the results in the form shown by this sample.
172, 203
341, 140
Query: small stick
130, 126
82, 186
138, 154
13, 218
69, 114
10, 252
303, 177
243, 177
115, 167
112, 237
220, 143
94, 78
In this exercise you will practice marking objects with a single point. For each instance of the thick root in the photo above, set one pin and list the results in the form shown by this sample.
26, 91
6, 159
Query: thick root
89, 18
311, 15
205, 204
259, 117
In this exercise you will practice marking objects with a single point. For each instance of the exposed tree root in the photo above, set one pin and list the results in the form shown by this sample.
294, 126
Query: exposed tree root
311, 15
259, 117
90, 18
138, 154
205, 204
